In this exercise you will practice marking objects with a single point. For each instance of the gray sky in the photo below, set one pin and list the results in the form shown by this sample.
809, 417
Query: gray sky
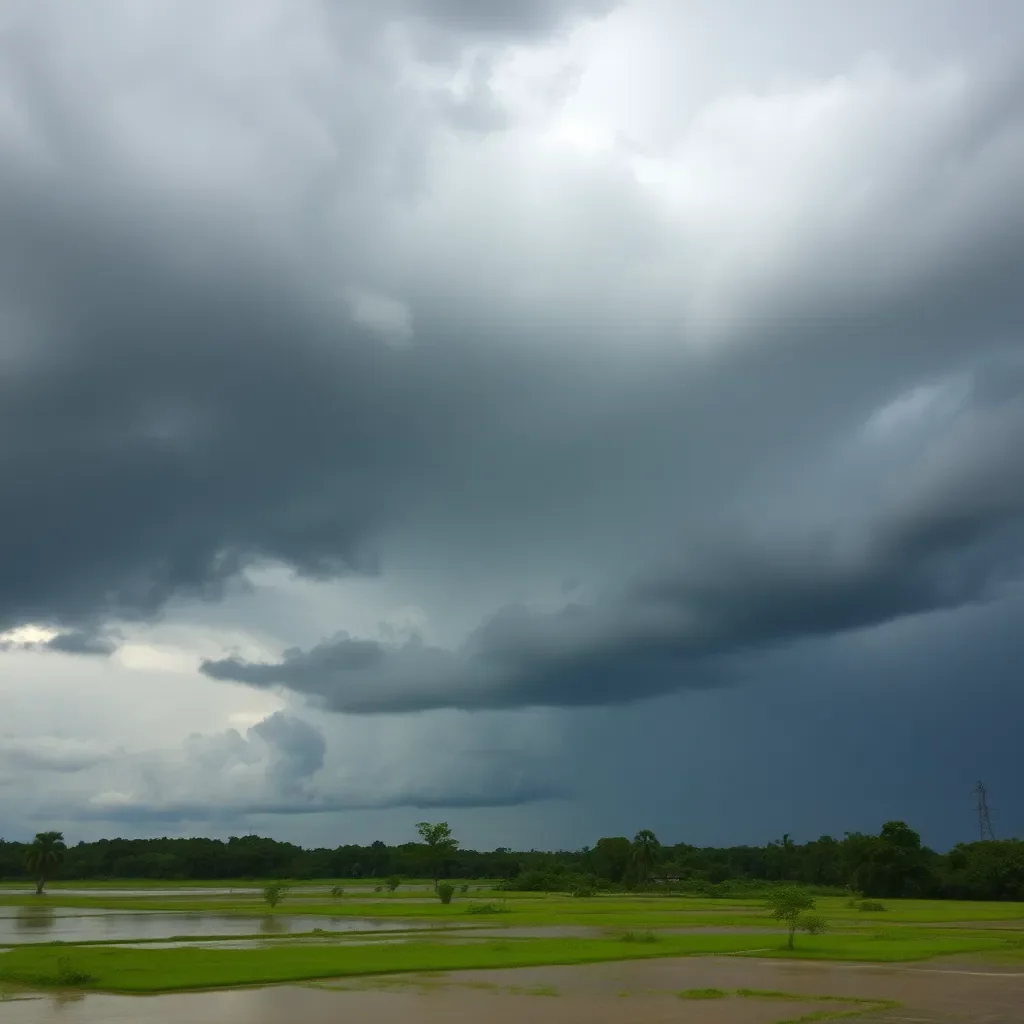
569, 417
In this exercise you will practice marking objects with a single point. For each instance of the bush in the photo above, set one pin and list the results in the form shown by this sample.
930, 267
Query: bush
465, 887
337, 891
813, 924
393, 883
445, 892
639, 937
870, 906
485, 908
584, 890
69, 975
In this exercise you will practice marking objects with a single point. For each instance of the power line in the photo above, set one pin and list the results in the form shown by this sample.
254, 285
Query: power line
984, 821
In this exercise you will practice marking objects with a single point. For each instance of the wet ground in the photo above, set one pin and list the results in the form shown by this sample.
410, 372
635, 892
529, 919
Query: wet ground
51, 924
965, 991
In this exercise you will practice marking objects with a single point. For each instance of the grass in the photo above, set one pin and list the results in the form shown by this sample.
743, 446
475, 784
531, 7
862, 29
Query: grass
122, 969
907, 930
886, 948
119, 969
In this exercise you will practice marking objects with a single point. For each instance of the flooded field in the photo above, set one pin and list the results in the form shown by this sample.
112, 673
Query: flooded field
59, 891
56, 924
706, 989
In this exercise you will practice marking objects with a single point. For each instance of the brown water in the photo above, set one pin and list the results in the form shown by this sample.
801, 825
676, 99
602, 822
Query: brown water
633, 992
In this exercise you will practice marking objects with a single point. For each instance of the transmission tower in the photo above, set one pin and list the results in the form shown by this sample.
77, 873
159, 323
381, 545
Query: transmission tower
984, 821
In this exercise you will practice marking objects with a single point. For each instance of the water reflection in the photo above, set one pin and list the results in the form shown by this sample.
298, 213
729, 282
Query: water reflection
47, 924
35, 918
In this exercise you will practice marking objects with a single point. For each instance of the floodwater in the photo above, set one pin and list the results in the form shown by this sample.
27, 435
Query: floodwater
56, 924
617, 993
135, 893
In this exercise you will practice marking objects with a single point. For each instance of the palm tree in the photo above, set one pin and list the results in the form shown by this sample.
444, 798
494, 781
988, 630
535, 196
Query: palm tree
44, 856
645, 852
787, 854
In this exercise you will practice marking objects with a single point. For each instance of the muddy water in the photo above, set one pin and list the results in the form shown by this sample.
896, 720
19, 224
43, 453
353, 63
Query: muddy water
957, 992
453, 1005
45, 924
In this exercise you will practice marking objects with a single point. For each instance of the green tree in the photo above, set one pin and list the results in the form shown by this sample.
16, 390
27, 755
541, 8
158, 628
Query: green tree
791, 904
440, 845
611, 857
393, 882
273, 893
645, 853
44, 856
892, 864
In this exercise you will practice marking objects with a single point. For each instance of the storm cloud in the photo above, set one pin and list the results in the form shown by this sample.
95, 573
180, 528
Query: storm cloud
317, 316
953, 536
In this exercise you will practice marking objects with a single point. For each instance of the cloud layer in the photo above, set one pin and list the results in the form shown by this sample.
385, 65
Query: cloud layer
626, 343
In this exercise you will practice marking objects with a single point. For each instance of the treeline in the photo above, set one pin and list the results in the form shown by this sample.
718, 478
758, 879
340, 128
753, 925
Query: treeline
891, 864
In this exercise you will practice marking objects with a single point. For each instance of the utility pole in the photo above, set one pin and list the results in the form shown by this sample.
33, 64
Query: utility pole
984, 821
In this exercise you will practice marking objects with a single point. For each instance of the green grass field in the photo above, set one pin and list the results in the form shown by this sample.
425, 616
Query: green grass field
907, 930
117, 969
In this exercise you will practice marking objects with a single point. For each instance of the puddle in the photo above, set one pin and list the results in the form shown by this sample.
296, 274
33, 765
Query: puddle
45, 924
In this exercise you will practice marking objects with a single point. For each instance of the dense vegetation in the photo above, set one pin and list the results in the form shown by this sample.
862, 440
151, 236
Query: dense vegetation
888, 865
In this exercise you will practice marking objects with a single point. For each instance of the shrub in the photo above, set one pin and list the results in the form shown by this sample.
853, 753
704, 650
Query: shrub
274, 892
813, 924
445, 892
69, 975
393, 883
485, 908
870, 905
337, 891
465, 887
584, 890
639, 937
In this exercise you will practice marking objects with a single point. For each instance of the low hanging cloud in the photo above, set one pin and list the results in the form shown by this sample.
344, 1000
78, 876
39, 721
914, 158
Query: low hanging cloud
54, 753
953, 537
286, 764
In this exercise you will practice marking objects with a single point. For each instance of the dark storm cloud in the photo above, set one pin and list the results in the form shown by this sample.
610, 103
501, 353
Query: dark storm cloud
183, 396
953, 537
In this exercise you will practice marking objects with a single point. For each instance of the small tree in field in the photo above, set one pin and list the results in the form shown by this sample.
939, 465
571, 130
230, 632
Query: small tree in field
440, 845
393, 883
791, 904
273, 893
445, 892
44, 856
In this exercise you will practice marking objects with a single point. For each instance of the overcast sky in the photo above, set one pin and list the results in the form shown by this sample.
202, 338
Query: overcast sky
561, 417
